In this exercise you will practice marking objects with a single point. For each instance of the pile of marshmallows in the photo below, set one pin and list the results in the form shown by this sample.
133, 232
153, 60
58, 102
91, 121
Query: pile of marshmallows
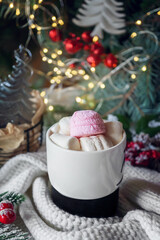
86, 131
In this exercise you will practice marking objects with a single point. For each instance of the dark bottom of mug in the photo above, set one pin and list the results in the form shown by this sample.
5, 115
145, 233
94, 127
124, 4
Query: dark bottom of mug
101, 207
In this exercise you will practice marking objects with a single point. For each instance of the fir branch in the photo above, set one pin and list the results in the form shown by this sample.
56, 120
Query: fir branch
14, 198
2, 195
126, 96
12, 232
138, 108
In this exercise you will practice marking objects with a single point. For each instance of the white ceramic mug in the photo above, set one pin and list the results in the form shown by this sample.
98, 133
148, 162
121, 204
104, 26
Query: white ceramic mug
85, 175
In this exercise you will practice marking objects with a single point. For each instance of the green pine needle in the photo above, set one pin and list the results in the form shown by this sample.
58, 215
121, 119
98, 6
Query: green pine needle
12, 232
14, 198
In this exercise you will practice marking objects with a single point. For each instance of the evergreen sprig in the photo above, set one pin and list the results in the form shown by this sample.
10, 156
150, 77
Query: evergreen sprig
12, 232
14, 198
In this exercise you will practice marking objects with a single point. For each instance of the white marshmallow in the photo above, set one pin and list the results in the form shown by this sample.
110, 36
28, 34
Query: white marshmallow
95, 143
64, 125
105, 141
66, 142
55, 128
87, 144
114, 131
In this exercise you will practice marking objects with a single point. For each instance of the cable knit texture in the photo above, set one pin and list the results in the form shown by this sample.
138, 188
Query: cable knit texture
138, 215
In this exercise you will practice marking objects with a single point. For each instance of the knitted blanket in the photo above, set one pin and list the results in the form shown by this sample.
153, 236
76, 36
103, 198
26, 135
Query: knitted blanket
138, 215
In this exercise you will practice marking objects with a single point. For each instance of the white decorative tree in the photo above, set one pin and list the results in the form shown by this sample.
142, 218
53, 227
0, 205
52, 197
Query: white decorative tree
15, 94
105, 15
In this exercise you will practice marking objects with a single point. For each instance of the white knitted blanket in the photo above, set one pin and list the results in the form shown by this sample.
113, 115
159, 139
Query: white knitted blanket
138, 215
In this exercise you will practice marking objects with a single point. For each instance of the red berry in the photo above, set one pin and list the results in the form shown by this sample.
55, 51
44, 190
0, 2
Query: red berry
86, 36
97, 48
86, 47
55, 35
73, 45
73, 65
111, 61
72, 35
93, 60
7, 216
4, 205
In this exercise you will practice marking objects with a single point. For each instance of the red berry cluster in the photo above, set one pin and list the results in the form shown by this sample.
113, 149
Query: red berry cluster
73, 44
138, 156
7, 213
96, 52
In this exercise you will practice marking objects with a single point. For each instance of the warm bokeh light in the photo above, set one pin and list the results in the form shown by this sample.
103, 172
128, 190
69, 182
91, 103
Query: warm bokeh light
144, 68
138, 22
134, 34
133, 76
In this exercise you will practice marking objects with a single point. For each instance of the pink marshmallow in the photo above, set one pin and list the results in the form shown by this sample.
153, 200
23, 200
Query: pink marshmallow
86, 123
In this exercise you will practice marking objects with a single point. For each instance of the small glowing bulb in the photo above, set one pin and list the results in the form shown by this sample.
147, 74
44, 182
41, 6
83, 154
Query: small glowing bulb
17, 12
53, 55
74, 72
60, 21
0, 1
53, 18
144, 68
134, 34
158, 13
55, 69
43, 93
52, 80
102, 85
58, 81
86, 77
40, 1
54, 24
39, 28
35, 7
33, 25
136, 59
50, 108
45, 100
138, 22
148, 13
70, 75
91, 85
44, 59
59, 52
95, 39
50, 61
58, 72
11, 5
60, 63
31, 16
68, 72
45, 50
133, 76
81, 72
93, 69
78, 99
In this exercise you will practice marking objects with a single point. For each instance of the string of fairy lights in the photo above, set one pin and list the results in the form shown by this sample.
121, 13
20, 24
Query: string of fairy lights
60, 69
